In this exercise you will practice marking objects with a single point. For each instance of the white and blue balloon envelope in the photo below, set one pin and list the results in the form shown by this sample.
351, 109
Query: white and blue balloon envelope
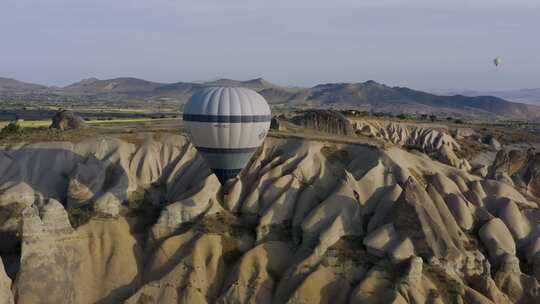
227, 125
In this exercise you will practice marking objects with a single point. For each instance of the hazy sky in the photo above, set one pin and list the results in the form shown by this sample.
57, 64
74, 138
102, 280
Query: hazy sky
424, 44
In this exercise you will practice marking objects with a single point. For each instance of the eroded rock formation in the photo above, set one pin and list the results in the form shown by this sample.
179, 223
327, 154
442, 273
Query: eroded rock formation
108, 221
327, 121
436, 142
66, 120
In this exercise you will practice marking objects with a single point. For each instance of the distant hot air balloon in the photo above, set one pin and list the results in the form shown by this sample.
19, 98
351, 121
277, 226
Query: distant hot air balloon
227, 125
497, 61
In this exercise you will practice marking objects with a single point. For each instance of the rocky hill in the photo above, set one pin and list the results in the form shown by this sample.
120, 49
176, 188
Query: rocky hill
529, 96
110, 221
117, 85
8, 85
369, 96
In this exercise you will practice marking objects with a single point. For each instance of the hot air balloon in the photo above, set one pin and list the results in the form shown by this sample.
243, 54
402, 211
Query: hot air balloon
227, 125
497, 61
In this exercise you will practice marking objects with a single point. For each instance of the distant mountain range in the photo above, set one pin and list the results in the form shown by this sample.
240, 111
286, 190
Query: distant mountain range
369, 96
12, 85
529, 96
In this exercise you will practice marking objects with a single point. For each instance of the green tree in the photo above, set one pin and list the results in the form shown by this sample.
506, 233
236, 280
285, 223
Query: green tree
11, 128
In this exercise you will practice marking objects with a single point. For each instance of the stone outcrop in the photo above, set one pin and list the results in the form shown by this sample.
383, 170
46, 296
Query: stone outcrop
255, 277
519, 287
66, 120
385, 240
327, 121
436, 142
498, 240
97, 262
460, 133
275, 123
187, 268
517, 168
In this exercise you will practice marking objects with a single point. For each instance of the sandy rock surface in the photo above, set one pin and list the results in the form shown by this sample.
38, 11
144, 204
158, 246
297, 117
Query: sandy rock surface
111, 221
438, 143
6, 297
